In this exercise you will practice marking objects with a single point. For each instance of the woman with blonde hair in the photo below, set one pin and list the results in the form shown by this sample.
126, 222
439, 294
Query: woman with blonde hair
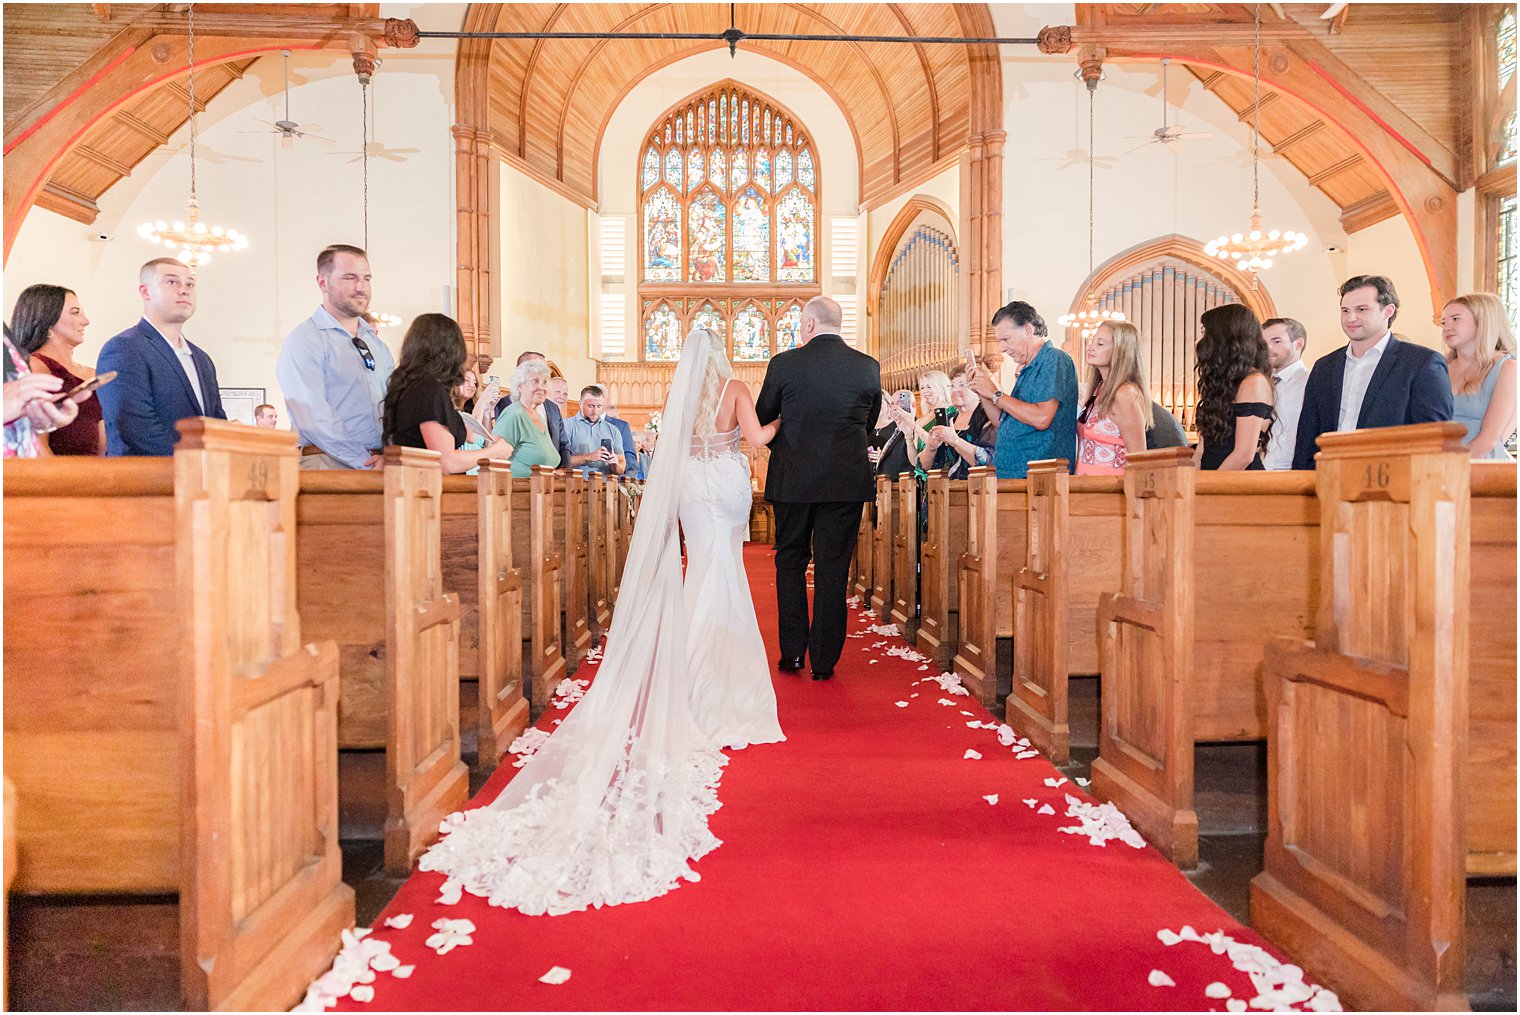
1118, 412
1481, 361
930, 453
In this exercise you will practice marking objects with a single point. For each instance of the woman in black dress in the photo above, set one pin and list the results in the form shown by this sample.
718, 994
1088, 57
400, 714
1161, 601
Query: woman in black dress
419, 401
1234, 391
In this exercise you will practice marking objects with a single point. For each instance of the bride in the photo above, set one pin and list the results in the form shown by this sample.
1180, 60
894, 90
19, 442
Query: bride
614, 806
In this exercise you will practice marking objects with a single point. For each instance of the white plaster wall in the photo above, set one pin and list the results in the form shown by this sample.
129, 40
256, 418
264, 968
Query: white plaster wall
289, 202
543, 278
1201, 191
623, 142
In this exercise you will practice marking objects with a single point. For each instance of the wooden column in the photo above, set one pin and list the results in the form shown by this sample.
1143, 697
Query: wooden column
974, 231
476, 213
992, 242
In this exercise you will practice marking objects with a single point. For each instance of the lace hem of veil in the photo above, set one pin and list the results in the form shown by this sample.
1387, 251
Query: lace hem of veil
650, 824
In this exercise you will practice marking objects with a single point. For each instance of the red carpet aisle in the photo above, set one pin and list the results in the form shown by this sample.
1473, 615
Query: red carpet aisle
862, 867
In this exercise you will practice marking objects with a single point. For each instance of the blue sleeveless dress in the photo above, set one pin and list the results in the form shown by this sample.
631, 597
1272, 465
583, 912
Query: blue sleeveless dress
1469, 409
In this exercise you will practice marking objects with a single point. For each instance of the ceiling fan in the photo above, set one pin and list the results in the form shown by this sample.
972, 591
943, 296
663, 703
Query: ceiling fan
288, 129
1167, 134
375, 149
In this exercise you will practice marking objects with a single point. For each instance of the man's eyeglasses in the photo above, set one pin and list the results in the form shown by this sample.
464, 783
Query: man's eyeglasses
364, 353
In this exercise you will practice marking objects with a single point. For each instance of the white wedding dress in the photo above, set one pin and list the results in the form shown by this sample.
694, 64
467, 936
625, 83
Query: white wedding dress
614, 806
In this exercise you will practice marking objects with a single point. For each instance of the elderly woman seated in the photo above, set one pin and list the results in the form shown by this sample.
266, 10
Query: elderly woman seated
523, 424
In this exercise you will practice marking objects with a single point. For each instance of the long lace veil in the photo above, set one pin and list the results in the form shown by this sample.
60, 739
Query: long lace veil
614, 806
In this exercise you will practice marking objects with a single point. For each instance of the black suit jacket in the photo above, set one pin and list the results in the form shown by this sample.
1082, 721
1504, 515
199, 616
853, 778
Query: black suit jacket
1410, 385
828, 397
151, 392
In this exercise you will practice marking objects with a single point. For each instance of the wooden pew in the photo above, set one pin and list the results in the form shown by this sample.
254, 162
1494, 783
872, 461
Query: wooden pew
860, 563
882, 549
10, 876
166, 728
536, 544
1212, 563
996, 548
1391, 745
629, 492
905, 533
1075, 545
369, 548
944, 542
600, 526
575, 561
477, 525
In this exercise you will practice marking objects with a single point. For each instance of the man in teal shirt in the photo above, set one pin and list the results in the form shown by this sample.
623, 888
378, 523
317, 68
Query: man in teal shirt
1037, 420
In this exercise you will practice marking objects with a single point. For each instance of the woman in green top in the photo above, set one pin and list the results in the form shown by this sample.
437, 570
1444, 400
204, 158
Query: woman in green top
522, 425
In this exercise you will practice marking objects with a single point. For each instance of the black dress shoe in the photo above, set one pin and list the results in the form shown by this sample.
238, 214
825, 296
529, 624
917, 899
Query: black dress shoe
790, 664
822, 674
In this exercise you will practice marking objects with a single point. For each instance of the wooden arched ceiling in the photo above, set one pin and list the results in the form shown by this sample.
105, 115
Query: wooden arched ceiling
910, 107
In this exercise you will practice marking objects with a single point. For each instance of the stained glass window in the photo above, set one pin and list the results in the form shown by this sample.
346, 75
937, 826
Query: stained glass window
1507, 150
752, 340
651, 168
662, 237
794, 238
1509, 259
728, 188
752, 238
662, 334
717, 171
789, 328
708, 239
783, 168
805, 169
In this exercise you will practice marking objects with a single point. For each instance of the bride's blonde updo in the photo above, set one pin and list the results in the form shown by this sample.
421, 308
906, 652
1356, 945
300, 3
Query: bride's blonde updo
719, 370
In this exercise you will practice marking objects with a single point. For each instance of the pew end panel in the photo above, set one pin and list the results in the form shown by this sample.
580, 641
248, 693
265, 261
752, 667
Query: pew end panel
860, 563
503, 708
1145, 739
1491, 731
995, 549
945, 541
1366, 855
545, 662
425, 778
570, 534
905, 545
882, 549
598, 576
1036, 705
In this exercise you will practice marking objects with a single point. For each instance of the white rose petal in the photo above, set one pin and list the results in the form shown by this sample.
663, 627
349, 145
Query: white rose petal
1235, 1004
1054, 782
1160, 979
1030, 802
1217, 991
1024, 755
401, 921
1083, 782
451, 892
384, 963
1046, 809
991, 798
1167, 937
902, 704
363, 993
403, 972
557, 975
971, 755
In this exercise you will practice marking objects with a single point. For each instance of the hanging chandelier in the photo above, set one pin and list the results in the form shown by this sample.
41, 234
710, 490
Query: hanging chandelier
1089, 319
380, 319
193, 240
1253, 250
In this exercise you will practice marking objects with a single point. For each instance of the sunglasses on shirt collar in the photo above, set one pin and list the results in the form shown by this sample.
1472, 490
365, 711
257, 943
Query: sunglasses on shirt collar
364, 353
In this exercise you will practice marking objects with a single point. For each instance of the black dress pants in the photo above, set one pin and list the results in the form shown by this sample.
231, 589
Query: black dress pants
826, 534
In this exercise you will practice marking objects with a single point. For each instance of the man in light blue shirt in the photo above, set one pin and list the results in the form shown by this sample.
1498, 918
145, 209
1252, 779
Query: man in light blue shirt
333, 369
585, 432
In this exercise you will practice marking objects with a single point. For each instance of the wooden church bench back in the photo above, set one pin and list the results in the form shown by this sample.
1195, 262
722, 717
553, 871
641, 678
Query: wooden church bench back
905, 546
536, 550
1075, 546
370, 551
575, 560
1391, 740
883, 545
944, 542
166, 728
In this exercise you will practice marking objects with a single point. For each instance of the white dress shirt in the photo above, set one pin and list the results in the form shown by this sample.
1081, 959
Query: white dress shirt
1288, 385
186, 362
1359, 371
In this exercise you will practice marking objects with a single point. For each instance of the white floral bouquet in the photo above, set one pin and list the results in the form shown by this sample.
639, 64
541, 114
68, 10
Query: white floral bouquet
653, 426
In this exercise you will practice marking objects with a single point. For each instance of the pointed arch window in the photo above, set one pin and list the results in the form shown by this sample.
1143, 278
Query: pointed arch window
729, 184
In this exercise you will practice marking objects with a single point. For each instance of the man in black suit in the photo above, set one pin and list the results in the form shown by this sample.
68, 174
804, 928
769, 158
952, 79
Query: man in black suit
828, 397
1375, 380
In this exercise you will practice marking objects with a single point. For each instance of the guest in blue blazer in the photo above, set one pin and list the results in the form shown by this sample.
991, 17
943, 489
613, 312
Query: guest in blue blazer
1375, 380
161, 377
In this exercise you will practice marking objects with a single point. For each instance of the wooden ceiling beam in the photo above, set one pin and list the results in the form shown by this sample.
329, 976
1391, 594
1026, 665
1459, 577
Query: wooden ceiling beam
1303, 133
1369, 212
69, 203
140, 127
102, 160
1344, 164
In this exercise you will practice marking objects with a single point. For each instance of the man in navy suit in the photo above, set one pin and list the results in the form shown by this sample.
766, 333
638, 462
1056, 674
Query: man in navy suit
161, 378
1375, 380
